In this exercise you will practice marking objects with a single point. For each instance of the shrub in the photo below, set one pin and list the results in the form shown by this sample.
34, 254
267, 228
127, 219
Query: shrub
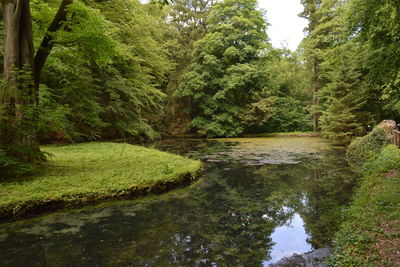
366, 147
12, 167
388, 159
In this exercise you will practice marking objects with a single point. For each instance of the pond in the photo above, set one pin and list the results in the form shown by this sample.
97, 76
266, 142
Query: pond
259, 200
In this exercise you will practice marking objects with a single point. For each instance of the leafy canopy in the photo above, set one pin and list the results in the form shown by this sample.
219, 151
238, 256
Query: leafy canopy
226, 83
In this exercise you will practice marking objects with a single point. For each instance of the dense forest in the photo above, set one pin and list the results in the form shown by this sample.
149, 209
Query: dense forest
110, 69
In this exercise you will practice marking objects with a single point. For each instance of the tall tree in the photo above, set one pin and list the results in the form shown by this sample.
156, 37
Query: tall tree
344, 93
187, 21
138, 72
22, 69
226, 83
312, 45
376, 24
289, 77
104, 79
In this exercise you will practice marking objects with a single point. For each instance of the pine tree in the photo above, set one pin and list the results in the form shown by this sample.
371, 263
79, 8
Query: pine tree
344, 93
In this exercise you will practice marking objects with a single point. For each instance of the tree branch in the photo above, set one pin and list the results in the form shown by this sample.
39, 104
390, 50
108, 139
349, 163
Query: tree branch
47, 42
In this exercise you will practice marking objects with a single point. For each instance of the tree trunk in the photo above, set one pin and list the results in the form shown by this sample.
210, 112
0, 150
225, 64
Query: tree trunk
315, 100
47, 43
22, 71
19, 94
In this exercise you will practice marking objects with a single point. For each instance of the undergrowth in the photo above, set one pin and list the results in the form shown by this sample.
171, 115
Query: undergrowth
370, 234
366, 148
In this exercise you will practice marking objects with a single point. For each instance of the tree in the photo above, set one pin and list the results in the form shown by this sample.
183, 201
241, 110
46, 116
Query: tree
187, 24
128, 86
376, 24
289, 78
226, 83
22, 71
343, 93
312, 45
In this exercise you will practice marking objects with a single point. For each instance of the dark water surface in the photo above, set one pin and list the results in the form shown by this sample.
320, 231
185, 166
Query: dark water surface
258, 201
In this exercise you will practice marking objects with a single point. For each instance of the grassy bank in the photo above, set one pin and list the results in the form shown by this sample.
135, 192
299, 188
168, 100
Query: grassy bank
291, 134
85, 173
370, 234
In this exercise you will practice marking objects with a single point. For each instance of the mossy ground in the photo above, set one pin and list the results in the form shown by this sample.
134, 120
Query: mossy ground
370, 234
93, 171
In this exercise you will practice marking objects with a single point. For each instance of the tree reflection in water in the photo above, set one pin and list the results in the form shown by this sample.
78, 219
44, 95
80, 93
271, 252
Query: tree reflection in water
224, 219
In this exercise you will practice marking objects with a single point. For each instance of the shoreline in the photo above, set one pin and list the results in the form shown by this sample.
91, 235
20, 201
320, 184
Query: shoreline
89, 173
34, 208
370, 232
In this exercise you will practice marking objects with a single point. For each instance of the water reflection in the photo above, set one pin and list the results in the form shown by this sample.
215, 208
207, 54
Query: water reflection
248, 209
289, 239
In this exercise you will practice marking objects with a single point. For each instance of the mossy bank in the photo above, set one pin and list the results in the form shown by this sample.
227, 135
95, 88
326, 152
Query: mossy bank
87, 173
370, 233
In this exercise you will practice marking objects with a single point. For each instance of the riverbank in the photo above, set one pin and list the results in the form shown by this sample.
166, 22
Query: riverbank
252, 135
86, 173
290, 134
370, 233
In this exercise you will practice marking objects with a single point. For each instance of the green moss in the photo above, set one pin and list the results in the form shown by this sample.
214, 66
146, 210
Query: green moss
372, 223
92, 171
366, 148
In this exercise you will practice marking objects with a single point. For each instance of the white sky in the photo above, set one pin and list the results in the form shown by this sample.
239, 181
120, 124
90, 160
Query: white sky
286, 26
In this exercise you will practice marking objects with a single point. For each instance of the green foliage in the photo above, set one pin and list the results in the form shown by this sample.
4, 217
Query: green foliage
54, 118
86, 29
225, 78
388, 160
125, 69
131, 85
321, 28
288, 82
344, 95
371, 221
19, 118
187, 24
289, 115
11, 167
377, 24
367, 147
345, 101
339, 123
104, 75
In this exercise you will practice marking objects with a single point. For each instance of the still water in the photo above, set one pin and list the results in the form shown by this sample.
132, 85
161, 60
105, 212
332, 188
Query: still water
259, 200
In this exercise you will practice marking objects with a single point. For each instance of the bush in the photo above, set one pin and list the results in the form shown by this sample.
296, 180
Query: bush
11, 167
388, 159
290, 116
366, 148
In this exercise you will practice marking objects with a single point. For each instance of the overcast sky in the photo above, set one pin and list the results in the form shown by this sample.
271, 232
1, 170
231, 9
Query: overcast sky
286, 26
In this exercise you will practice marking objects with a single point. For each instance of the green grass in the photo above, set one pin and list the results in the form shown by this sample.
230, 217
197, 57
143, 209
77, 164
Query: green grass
370, 233
85, 172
